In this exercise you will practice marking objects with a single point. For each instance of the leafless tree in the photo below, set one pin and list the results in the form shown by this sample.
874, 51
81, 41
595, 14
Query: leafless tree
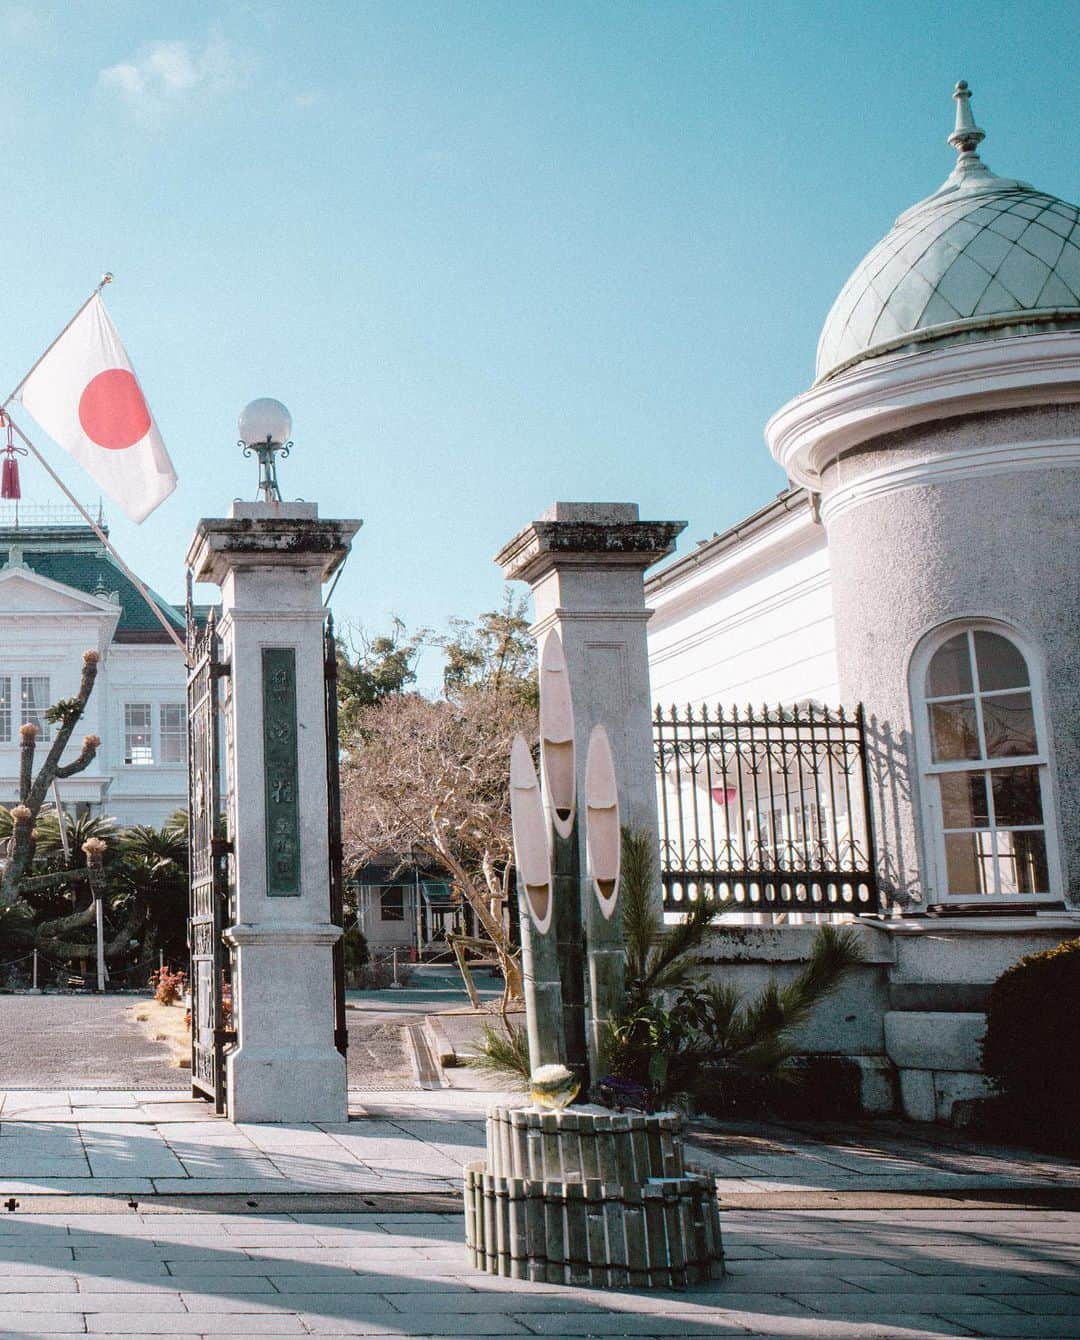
432, 778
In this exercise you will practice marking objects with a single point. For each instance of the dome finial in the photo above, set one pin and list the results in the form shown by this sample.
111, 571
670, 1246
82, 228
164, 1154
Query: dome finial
966, 135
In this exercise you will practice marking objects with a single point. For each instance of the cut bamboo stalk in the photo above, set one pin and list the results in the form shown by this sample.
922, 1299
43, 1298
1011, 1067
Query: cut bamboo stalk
558, 769
603, 919
539, 951
554, 1232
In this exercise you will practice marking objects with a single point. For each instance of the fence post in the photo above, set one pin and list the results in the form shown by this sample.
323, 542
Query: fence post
35, 978
585, 564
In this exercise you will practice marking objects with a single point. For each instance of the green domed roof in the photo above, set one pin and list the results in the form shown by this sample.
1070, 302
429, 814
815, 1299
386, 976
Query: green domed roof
984, 256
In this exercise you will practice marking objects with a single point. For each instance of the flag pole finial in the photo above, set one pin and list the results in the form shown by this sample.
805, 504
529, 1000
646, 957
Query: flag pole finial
106, 278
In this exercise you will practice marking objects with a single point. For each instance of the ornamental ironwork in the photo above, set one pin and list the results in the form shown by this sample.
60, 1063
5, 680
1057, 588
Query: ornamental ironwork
765, 809
210, 972
333, 815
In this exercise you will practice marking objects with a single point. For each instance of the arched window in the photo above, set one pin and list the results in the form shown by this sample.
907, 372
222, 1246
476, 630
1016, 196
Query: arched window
985, 769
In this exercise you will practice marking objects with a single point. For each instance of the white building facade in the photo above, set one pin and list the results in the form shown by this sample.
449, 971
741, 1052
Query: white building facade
60, 594
922, 564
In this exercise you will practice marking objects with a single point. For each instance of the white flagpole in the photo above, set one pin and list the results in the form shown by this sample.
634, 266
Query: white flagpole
106, 278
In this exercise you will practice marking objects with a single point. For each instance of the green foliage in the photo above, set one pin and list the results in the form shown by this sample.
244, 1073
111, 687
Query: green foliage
706, 1041
370, 669
504, 1053
146, 895
709, 1041
497, 652
657, 960
1033, 1039
355, 948
64, 712
157, 850
77, 830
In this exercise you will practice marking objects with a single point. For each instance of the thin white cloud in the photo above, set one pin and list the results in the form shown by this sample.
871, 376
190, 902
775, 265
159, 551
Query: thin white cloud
166, 74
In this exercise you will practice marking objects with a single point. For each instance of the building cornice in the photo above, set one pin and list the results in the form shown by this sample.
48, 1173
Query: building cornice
892, 394
773, 517
1001, 458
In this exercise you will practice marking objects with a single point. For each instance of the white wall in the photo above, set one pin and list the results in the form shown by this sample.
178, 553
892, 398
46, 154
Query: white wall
747, 621
44, 629
145, 793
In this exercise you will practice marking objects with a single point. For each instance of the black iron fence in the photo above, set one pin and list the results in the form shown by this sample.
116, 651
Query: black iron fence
766, 808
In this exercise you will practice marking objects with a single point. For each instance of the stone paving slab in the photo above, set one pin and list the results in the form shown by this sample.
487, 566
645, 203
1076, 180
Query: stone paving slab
147, 1143
316, 1273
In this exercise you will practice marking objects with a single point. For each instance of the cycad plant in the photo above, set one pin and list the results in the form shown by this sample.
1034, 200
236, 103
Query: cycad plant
679, 1035
77, 829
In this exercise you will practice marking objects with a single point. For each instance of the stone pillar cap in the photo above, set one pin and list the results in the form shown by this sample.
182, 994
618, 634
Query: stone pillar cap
575, 534
269, 539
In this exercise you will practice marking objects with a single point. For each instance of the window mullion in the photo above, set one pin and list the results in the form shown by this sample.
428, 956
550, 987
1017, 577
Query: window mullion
991, 815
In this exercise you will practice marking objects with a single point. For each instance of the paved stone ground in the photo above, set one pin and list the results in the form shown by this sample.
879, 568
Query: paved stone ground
751, 1159
147, 1143
412, 1141
832, 1275
138, 1214
90, 1041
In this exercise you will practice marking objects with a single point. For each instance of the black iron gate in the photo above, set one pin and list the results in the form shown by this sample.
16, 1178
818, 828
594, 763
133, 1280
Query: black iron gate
208, 856
333, 813
766, 809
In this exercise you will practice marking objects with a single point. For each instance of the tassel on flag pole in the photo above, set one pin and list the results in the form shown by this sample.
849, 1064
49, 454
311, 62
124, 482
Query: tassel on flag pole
10, 488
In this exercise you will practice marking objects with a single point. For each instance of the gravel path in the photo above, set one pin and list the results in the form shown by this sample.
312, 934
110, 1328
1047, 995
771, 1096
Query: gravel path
80, 1042
378, 1052
93, 1042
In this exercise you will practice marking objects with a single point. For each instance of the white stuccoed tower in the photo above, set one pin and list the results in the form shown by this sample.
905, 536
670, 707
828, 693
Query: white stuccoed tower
270, 560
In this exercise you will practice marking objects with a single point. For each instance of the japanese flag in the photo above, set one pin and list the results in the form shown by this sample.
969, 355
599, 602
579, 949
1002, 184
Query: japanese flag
85, 394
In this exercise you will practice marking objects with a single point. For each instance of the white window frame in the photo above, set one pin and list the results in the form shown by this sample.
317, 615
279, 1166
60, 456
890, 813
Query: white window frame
148, 708
155, 701
930, 793
44, 730
181, 735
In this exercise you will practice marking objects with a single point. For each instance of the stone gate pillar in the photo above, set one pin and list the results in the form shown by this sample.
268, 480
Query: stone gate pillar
270, 561
586, 563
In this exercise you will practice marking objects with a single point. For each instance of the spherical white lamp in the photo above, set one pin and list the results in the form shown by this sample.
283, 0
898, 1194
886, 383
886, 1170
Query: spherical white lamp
265, 421
265, 426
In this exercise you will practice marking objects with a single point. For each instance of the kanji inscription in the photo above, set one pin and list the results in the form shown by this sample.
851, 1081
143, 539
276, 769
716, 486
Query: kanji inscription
280, 764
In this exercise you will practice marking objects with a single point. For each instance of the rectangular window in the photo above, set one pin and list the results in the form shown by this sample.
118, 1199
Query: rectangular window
171, 733
138, 746
5, 708
35, 699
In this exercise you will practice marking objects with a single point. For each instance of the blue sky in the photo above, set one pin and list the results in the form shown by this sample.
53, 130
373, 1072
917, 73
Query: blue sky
490, 255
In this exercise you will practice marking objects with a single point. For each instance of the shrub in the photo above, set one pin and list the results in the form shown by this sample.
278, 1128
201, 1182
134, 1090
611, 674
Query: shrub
168, 985
378, 974
1033, 1039
355, 948
504, 1053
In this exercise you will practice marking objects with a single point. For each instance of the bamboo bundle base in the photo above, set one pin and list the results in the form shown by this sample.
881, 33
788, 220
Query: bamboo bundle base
598, 1199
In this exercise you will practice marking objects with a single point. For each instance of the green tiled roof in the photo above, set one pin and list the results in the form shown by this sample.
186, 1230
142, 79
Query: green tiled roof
74, 556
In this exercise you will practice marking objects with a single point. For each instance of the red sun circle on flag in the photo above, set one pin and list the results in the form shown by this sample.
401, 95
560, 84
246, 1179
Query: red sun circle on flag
112, 410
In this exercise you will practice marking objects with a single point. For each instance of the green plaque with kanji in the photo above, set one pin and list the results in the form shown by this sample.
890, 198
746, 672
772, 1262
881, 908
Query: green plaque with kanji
282, 772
